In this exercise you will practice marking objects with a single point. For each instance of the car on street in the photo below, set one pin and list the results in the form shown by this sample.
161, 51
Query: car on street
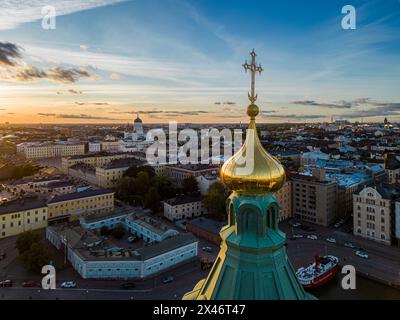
127, 285
337, 225
296, 225
349, 245
3, 255
6, 283
331, 240
29, 284
68, 284
361, 254
168, 279
312, 237
297, 236
132, 239
207, 249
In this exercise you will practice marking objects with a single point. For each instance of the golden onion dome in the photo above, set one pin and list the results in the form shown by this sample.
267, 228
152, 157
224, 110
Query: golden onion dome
252, 170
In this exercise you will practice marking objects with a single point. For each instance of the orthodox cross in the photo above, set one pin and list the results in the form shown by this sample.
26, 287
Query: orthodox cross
253, 68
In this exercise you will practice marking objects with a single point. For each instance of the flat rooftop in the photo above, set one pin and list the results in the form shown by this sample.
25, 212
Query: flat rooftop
23, 204
78, 195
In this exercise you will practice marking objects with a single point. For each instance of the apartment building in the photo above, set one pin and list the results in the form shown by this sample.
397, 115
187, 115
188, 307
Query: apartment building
177, 173
315, 199
374, 212
392, 168
183, 207
109, 175
40, 150
284, 196
21, 215
94, 160
73, 205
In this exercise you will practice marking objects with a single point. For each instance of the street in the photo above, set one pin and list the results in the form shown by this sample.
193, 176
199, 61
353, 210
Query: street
383, 263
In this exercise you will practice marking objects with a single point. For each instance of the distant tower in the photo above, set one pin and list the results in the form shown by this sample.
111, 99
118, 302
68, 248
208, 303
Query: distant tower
138, 126
385, 122
252, 263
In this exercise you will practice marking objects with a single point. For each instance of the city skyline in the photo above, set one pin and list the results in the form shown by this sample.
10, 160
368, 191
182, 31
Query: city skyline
106, 61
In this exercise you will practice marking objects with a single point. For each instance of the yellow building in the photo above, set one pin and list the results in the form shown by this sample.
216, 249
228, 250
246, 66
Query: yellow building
22, 215
109, 176
73, 205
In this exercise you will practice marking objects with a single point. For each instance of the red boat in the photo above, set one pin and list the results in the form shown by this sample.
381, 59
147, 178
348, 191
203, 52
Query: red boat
321, 271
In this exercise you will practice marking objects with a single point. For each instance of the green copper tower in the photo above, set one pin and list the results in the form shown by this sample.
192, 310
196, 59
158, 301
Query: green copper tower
252, 263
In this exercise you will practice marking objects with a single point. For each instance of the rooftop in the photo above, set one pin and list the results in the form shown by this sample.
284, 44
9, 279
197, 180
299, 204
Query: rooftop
182, 199
207, 224
22, 205
78, 195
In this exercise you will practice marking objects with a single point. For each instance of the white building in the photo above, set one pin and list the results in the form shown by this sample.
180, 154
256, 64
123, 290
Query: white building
95, 257
183, 207
205, 181
94, 147
50, 149
372, 213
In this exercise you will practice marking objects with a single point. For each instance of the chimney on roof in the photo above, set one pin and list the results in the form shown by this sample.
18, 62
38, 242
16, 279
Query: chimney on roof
319, 173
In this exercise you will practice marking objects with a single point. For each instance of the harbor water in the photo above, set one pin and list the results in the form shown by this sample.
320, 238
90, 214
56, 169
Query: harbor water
365, 289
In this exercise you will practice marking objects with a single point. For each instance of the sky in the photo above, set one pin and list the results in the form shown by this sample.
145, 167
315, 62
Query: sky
181, 60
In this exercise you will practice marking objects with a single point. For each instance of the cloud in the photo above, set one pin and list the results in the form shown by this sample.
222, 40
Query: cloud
16, 70
9, 52
229, 103
29, 73
296, 116
73, 91
115, 76
380, 109
340, 105
84, 47
91, 103
76, 116
16, 12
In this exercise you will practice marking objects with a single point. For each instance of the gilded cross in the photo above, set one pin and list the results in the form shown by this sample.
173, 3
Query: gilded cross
253, 68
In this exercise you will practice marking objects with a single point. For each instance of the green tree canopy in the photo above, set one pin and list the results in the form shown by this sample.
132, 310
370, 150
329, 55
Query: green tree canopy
26, 239
215, 201
152, 200
35, 257
190, 185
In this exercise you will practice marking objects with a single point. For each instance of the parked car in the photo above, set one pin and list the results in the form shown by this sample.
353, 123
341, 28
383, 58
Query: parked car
168, 279
207, 249
68, 284
349, 245
127, 286
3, 255
296, 225
331, 240
29, 284
297, 236
6, 283
361, 254
312, 237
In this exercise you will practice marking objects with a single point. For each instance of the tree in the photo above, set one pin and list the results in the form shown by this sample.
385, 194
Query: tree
26, 239
142, 182
104, 231
152, 200
190, 185
118, 232
133, 171
35, 257
215, 201
164, 187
